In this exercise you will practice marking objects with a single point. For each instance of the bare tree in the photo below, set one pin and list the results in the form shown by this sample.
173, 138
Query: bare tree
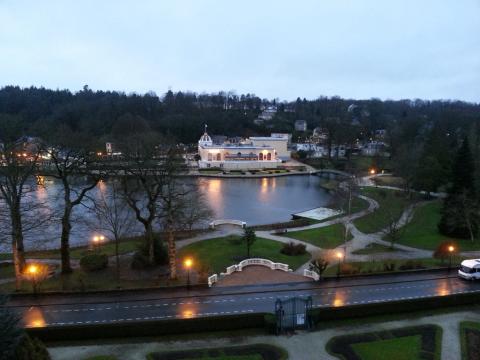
71, 167
113, 216
16, 168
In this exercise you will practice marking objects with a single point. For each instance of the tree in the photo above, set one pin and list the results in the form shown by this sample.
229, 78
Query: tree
113, 217
71, 167
18, 167
460, 212
319, 265
249, 238
171, 196
10, 334
443, 251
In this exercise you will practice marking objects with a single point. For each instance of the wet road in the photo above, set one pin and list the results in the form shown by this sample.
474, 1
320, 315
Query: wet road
166, 304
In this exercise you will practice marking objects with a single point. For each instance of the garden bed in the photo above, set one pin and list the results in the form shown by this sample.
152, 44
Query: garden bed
470, 340
408, 343
248, 352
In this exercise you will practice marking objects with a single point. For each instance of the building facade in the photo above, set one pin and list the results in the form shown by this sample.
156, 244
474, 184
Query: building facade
252, 154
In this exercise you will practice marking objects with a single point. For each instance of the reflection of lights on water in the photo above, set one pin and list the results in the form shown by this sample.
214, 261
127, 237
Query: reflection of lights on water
102, 186
214, 194
34, 318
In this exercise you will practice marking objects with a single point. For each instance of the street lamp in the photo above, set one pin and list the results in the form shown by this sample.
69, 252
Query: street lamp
339, 257
32, 271
187, 263
97, 239
451, 249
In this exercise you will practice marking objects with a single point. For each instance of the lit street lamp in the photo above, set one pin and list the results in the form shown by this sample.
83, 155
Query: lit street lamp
97, 240
187, 263
339, 257
451, 249
32, 271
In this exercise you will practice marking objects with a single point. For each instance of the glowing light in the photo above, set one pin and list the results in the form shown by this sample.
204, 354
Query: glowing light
187, 314
451, 248
188, 262
339, 255
99, 153
32, 269
34, 318
372, 171
96, 239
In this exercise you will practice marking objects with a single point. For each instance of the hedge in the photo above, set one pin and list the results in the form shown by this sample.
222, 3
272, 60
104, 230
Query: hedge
149, 328
400, 306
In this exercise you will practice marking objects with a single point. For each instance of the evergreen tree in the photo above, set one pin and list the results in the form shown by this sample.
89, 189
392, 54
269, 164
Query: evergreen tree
249, 237
460, 213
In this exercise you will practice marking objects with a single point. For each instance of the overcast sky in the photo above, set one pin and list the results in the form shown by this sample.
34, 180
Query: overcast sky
359, 49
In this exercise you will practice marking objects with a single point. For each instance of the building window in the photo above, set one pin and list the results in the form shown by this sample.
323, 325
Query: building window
269, 156
260, 156
219, 157
209, 157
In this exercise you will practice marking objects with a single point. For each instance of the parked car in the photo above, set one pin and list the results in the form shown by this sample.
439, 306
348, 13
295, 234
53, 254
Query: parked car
470, 269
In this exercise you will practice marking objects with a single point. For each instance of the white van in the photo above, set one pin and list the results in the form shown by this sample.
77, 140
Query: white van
470, 269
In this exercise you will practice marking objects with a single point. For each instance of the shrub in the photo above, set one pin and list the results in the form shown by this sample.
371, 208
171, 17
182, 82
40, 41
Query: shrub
31, 349
140, 258
389, 266
349, 269
293, 249
94, 262
411, 264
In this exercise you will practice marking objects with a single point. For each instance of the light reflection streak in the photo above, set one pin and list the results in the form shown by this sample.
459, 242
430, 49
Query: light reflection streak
34, 318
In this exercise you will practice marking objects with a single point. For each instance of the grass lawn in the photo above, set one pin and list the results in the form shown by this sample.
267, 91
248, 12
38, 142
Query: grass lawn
401, 348
422, 231
389, 181
378, 266
374, 248
7, 271
217, 254
328, 237
392, 204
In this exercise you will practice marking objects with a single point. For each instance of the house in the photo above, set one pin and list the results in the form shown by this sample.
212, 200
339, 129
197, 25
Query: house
300, 125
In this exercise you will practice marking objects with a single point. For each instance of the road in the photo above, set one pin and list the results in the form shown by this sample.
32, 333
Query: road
168, 304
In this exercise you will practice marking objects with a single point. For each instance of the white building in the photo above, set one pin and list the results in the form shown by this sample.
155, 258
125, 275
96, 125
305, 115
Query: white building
300, 125
254, 153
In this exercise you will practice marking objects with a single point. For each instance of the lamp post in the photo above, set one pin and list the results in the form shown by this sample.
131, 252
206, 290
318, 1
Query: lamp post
187, 263
97, 239
450, 252
339, 257
32, 271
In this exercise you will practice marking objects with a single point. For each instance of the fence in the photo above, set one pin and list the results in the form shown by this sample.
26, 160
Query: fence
248, 262
214, 223
311, 274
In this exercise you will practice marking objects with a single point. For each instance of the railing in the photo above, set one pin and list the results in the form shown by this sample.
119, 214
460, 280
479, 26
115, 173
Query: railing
255, 261
227, 221
311, 274
212, 280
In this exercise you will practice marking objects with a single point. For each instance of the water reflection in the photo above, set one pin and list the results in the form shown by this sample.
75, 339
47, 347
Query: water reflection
255, 201
443, 289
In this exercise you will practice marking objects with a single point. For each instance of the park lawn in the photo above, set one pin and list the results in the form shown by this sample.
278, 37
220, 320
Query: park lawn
400, 348
7, 271
328, 237
124, 247
389, 180
374, 248
422, 231
219, 253
106, 279
392, 204
369, 267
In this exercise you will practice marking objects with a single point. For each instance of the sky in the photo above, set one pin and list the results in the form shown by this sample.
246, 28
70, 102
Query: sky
395, 49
